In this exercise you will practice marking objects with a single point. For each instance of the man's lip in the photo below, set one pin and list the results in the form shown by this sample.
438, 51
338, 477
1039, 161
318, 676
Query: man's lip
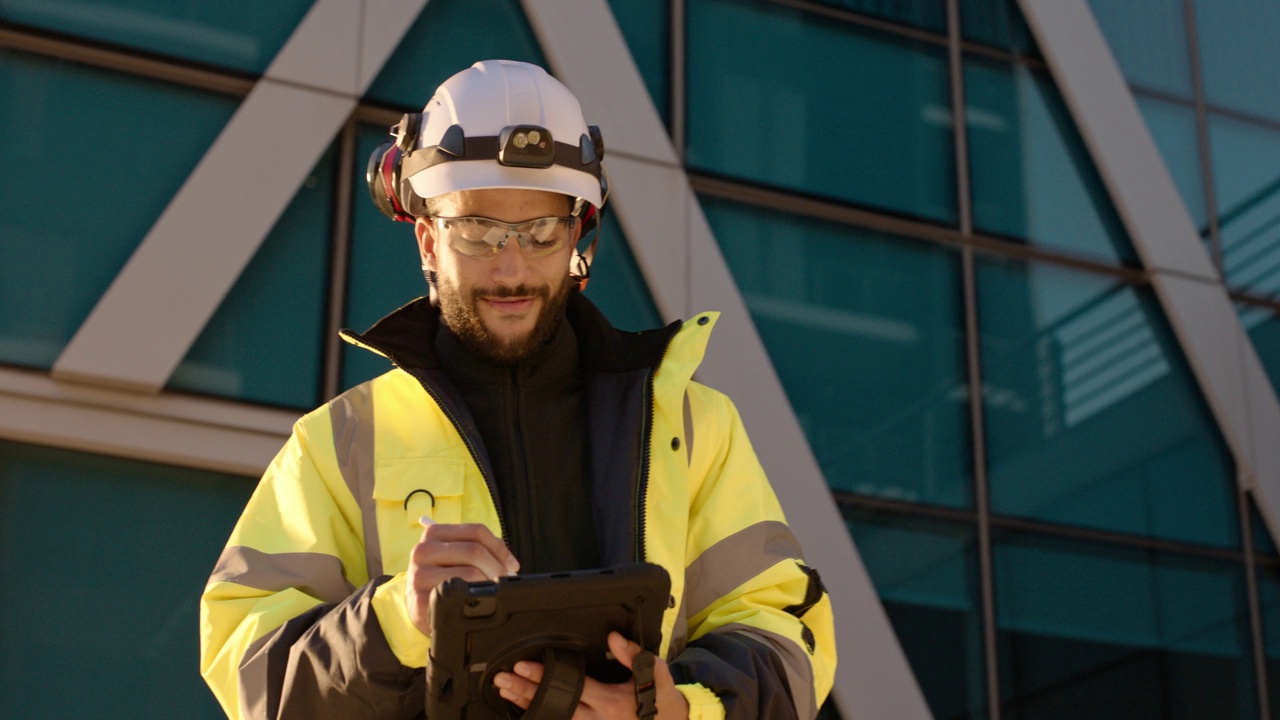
511, 303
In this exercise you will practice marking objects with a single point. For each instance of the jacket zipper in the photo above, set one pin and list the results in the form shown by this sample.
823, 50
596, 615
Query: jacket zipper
475, 456
646, 429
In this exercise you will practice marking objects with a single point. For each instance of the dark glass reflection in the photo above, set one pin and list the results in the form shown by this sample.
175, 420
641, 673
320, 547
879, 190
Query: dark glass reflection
239, 34
865, 331
1100, 632
792, 100
1092, 416
923, 14
926, 574
112, 556
1269, 602
998, 23
64, 237
1246, 172
1239, 54
449, 36
1149, 41
1032, 177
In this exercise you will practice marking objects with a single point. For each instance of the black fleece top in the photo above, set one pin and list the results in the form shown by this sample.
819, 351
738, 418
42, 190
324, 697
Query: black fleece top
531, 417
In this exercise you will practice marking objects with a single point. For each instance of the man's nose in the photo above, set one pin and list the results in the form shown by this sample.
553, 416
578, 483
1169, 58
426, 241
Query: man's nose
510, 264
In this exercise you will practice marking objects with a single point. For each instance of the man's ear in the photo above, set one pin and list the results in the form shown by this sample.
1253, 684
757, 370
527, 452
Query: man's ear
425, 232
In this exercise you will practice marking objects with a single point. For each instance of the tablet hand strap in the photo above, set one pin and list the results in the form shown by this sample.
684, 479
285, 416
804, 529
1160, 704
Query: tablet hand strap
646, 692
564, 673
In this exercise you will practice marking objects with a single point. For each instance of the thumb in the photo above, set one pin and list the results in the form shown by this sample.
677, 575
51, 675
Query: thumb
623, 649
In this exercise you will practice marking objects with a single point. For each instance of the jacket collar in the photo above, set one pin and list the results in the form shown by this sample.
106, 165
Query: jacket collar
407, 338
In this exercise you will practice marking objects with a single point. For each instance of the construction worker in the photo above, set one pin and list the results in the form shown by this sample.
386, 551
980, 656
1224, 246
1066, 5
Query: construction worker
517, 433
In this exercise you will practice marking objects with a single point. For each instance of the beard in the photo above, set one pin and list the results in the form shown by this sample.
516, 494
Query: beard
462, 316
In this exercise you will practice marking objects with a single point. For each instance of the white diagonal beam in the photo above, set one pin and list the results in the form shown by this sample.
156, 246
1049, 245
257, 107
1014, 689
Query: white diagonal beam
157, 306
1224, 361
684, 269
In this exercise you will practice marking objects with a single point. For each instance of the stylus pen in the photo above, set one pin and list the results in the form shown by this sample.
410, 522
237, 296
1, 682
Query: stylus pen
425, 521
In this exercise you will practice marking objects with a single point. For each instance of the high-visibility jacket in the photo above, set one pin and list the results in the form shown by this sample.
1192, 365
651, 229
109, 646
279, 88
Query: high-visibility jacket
304, 614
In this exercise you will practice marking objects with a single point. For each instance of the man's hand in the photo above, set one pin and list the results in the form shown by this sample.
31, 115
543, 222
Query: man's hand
470, 552
601, 700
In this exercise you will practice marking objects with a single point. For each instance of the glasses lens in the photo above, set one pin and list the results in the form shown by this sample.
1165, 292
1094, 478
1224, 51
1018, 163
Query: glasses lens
482, 237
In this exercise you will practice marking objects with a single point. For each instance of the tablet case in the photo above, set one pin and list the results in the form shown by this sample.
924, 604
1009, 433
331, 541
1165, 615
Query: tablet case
559, 619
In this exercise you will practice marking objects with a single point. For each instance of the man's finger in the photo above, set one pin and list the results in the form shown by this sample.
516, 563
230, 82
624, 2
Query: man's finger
623, 649
471, 532
459, 554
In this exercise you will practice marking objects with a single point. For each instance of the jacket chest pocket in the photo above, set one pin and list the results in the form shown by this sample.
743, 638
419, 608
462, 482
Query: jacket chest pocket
407, 489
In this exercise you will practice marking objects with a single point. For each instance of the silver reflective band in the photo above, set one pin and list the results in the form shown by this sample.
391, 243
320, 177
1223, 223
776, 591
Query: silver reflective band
483, 237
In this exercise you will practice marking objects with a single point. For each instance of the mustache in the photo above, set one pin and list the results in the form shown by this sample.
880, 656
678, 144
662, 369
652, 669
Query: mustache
541, 291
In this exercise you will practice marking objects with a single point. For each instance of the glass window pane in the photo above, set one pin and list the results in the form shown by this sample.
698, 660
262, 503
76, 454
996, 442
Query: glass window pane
926, 574
616, 286
646, 25
1076, 369
105, 560
265, 343
84, 187
1263, 328
865, 331
845, 113
924, 14
997, 23
1149, 41
1031, 174
385, 271
1094, 631
1239, 54
1173, 127
450, 36
240, 34
1246, 175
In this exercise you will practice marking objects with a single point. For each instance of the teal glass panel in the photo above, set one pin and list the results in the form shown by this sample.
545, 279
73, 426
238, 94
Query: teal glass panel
792, 100
240, 34
926, 573
617, 287
1246, 176
450, 36
1263, 328
997, 23
265, 343
646, 26
83, 187
1173, 127
1149, 41
865, 331
1092, 416
104, 561
1031, 175
385, 272
1104, 631
1239, 54
1262, 542
928, 15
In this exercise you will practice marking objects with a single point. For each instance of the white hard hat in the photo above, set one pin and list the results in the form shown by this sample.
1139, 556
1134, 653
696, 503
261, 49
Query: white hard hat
502, 124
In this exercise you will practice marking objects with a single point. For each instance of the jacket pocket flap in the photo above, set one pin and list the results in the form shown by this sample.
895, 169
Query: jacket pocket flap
395, 480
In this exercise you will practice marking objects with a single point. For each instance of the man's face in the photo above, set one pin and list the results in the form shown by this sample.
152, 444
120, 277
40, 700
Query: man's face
508, 305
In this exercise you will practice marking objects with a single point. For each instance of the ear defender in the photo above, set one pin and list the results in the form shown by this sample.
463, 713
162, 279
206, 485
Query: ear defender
383, 171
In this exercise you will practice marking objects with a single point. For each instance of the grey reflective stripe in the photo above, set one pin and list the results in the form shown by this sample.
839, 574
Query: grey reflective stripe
316, 574
254, 667
794, 659
735, 560
688, 428
351, 415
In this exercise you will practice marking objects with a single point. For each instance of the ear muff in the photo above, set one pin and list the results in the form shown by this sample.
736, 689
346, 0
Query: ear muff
383, 171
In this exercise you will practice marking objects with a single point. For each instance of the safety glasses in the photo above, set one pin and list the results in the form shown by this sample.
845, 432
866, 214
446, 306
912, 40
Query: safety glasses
482, 237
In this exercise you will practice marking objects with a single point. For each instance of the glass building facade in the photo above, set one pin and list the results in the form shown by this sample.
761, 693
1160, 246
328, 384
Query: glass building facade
987, 378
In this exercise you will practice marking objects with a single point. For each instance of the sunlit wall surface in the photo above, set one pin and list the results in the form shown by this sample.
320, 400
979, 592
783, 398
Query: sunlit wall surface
961, 323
